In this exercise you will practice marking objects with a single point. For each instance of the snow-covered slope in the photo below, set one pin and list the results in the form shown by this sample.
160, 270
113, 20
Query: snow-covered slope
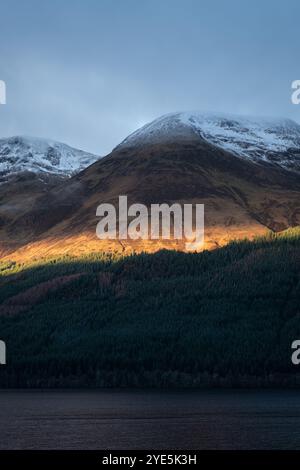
19, 154
275, 141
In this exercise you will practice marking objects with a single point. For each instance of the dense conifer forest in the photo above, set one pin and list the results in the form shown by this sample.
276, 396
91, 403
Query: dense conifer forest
222, 318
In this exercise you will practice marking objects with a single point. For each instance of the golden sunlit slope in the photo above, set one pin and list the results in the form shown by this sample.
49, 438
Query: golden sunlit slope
242, 199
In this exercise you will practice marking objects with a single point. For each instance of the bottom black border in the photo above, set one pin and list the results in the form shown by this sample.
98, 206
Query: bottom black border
105, 458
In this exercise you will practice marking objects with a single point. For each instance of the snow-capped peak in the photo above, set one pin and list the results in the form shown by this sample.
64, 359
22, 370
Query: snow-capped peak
19, 154
271, 140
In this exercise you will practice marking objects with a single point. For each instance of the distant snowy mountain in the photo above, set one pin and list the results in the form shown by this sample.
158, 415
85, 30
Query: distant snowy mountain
28, 154
275, 141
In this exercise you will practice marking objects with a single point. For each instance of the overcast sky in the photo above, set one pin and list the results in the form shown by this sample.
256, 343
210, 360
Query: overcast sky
89, 72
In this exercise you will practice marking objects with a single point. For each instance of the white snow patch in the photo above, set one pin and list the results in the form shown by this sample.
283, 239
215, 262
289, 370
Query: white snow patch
37, 155
258, 139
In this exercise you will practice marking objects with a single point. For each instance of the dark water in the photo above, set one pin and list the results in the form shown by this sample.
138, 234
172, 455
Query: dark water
147, 419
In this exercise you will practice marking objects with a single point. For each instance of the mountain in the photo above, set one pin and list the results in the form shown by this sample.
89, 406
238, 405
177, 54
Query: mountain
30, 168
275, 141
244, 170
40, 156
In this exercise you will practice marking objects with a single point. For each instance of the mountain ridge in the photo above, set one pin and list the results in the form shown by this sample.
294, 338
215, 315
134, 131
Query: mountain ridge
273, 140
20, 154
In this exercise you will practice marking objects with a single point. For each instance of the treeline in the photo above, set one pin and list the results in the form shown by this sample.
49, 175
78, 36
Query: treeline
222, 318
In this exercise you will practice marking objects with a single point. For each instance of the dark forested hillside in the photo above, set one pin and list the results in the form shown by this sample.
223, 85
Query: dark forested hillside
221, 318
